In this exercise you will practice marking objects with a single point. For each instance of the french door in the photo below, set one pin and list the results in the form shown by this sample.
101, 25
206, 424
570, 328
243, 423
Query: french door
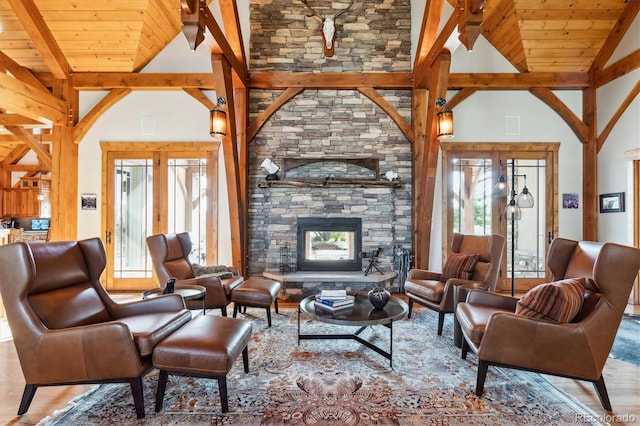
472, 205
156, 188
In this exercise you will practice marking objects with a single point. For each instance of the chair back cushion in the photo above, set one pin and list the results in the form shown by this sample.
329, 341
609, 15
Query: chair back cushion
177, 262
62, 293
558, 301
489, 249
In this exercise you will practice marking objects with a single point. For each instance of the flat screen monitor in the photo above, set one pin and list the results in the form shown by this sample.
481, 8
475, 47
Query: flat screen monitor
39, 224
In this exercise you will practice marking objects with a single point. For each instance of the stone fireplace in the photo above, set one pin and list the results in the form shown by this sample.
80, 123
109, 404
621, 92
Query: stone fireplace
329, 124
329, 244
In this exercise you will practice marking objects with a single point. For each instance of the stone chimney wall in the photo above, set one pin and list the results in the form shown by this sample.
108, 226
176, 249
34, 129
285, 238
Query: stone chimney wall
371, 37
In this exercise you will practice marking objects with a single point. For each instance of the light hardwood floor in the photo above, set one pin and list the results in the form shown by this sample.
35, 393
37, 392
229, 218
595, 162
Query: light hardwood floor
622, 379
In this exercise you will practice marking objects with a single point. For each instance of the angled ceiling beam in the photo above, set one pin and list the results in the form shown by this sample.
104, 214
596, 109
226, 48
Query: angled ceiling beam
421, 73
257, 124
18, 120
428, 31
100, 108
625, 104
617, 69
469, 21
617, 33
35, 26
26, 137
575, 123
201, 97
26, 100
400, 121
15, 155
232, 29
21, 73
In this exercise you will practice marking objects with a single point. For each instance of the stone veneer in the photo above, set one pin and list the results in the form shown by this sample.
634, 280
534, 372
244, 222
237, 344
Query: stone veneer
374, 36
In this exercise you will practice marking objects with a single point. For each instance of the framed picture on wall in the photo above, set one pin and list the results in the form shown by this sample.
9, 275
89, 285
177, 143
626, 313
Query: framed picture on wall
88, 201
611, 203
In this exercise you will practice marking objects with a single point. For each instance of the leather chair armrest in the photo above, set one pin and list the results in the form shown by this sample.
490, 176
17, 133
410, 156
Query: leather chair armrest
488, 298
539, 344
171, 303
448, 292
233, 270
213, 286
79, 353
421, 274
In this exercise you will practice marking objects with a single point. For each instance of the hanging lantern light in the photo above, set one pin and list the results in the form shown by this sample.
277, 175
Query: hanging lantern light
218, 119
444, 120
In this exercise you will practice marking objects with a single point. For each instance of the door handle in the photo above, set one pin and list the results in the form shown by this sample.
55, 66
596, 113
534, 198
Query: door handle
108, 237
549, 237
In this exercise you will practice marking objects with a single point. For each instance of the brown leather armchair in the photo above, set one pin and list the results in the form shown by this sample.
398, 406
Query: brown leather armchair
170, 257
427, 288
577, 349
66, 328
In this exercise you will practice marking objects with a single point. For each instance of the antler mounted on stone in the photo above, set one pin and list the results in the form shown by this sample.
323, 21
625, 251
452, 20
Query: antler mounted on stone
328, 27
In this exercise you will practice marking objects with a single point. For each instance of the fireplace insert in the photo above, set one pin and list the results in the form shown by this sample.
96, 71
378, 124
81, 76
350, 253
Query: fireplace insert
329, 244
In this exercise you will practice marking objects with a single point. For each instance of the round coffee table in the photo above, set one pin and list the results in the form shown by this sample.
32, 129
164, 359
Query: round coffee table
187, 291
362, 314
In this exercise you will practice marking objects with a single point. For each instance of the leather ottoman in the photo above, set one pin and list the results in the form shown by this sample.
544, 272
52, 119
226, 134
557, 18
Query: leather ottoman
207, 346
256, 292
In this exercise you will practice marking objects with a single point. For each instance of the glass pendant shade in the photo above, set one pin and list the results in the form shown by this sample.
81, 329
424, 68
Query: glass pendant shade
525, 199
512, 211
218, 123
445, 124
501, 189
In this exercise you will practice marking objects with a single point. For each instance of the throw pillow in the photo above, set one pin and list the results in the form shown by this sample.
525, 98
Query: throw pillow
459, 265
558, 301
203, 271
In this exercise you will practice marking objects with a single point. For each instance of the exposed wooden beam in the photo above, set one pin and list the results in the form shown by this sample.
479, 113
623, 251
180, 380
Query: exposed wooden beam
625, 104
29, 140
400, 121
519, 81
574, 122
460, 96
18, 120
29, 168
223, 76
428, 31
143, 81
31, 102
233, 33
615, 36
240, 68
34, 24
19, 72
329, 80
421, 72
257, 124
15, 155
590, 167
100, 108
617, 69
201, 97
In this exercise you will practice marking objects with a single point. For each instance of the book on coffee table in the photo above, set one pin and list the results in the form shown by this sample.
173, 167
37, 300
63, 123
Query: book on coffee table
335, 303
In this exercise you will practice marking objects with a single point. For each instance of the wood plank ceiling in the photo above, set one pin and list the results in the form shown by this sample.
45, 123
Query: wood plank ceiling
536, 36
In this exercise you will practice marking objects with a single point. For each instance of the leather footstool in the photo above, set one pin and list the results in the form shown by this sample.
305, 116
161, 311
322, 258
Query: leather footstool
256, 292
207, 346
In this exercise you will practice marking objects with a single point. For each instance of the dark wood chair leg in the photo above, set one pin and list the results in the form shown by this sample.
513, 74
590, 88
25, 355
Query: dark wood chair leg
269, 315
465, 348
482, 374
275, 304
27, 397
224, 311
235, 309
601, 389
410, 307
245, 358
440, 322
162, 386
138, 396
222, 387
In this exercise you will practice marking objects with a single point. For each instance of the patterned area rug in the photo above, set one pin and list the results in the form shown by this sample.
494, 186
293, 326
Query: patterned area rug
340, 382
